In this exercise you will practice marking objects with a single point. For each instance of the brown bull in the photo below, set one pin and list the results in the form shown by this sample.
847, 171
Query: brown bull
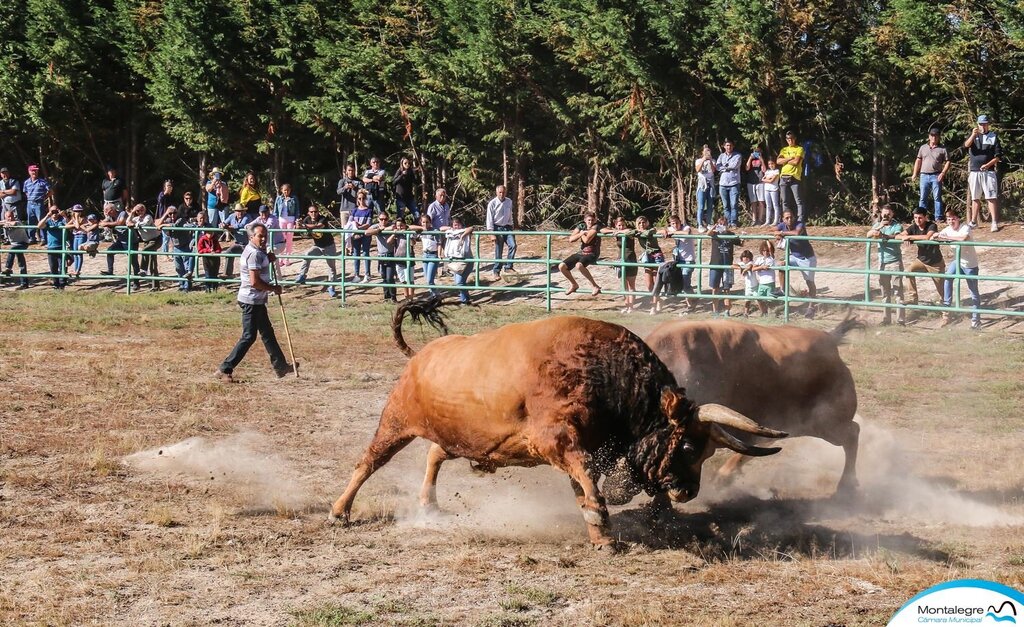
785, 378
574, 393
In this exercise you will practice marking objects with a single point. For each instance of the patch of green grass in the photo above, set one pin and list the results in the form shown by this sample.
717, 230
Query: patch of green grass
331, 615
505, 620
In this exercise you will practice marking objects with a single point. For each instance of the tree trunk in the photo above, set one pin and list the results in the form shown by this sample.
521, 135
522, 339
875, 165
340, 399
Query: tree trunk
133, 159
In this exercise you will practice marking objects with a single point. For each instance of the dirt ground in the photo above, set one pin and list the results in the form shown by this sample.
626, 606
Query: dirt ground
134, 489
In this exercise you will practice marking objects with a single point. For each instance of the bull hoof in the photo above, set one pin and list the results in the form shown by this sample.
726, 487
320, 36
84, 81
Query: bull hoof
611, 547
337, 520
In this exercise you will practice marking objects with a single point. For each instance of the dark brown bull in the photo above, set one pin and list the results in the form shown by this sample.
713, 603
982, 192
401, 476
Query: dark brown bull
574, 393
786, 378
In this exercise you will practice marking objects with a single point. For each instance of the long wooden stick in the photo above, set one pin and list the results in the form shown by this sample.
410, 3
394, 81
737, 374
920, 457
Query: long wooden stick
284, 318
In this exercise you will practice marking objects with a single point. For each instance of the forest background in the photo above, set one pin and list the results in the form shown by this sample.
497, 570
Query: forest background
571, 103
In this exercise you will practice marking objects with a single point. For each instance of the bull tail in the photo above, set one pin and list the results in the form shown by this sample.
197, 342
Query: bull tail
428, 308
849, 323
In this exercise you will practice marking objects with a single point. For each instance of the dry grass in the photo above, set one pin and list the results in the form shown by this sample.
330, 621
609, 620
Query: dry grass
238, 534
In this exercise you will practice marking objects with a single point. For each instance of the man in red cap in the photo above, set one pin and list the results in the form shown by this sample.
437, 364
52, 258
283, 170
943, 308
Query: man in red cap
37, 192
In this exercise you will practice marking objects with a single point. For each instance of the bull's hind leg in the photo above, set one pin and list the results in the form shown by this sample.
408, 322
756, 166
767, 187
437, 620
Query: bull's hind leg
428, 493
847, 435
386, 442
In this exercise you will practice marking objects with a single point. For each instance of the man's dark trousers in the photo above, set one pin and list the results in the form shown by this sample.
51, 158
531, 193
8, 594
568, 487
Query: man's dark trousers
255, 319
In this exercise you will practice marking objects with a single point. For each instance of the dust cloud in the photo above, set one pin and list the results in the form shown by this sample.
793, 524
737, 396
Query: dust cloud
237, 467
892, 485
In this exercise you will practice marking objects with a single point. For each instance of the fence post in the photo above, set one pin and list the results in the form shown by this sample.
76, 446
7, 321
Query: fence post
547, 272
786, 286
867, 273
128, 271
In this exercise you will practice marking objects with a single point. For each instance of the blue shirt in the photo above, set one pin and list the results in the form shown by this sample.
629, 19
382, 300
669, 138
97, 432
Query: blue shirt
239, 224
440, 215
54, 231
35, 191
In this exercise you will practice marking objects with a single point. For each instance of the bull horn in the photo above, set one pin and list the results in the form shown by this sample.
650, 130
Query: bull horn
721, 436
714, 413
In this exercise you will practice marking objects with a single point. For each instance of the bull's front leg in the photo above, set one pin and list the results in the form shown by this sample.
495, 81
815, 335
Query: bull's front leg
595, 512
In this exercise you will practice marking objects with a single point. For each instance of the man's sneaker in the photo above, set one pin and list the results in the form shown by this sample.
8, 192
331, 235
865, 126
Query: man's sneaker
975, 324
21, 287
106, 273
224, 377
809, 314
995, 228
972, 224
946, 320
300, 280
287, 370
7, 273
331, 292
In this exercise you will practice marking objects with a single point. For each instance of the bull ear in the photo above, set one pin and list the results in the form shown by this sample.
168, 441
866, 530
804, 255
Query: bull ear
722, 437
672, 402
713, 413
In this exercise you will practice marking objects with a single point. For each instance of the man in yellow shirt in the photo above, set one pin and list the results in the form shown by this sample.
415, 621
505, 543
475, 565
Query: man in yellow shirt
791, 160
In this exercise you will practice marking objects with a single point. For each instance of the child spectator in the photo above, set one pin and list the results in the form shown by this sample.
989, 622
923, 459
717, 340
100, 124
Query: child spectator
763, 267
384, 233
208, 245
404, 245
590, 251
458, 249
431, 249
773, 204
92, 234
628, 248
746, 268
362, 215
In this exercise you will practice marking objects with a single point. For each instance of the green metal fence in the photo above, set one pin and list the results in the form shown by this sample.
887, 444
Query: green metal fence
545, 266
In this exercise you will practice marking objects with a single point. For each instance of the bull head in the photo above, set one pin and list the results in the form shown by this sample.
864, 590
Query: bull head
670, 459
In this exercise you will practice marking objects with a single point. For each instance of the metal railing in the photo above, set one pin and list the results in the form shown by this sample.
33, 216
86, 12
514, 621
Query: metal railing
345, 286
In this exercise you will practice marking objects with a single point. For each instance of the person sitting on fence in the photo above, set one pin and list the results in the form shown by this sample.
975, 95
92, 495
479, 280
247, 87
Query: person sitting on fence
957, 231
458, 250
182, 238
801, 254
764, 265
590, 251
208, 245
18, 236
236, 225
52, 226
929, 256
890, 258
149, 239
317, 226
117, 221
384, 234
92, 234
627, 246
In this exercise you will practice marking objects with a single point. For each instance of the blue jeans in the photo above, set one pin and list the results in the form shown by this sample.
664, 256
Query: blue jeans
730, 201
430, 268
13, 255
499, 244
76, 261
387, 277
972, 285
33, 214
401, 207
56, 263
183, 266
705, 206
361, 246
460, 279
930, 182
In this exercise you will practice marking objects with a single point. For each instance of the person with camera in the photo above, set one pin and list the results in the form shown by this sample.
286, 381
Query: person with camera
116, 222
755, 169
373, 181
217, 197
149, 237
791, 160
249, 195
705, 168
52, 226
985, 152
348, 187
254, 290
182, 238
17, 235
728, 166
404, 186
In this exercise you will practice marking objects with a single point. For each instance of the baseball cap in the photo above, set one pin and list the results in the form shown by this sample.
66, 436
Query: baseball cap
934, 131
983, 119
33, 168
5, 170
264, 209
92, 217
77, 208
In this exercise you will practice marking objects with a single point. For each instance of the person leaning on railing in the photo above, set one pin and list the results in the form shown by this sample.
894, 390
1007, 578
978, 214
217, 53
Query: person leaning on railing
318, 226
929, 256
627, 246
17, 235
149, 236
458, 250
208, 245
52, 226
181, 237
235, 225
590, 251
890, 257
115, 221
957, 231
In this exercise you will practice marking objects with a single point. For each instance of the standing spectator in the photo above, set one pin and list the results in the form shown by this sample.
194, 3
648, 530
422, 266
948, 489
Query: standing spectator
722, 252
404, 244
887, 230
77, 224
755, 186
628, 248
404, 185
317, 226
705, 168
114, 190
647, 236
791, 158
17, 235
956, 231
117, 222
458, 250
37, 192
440, 211
236, 227
189, 207
590, 251
373, 180
10, 192
149, 240
384, 233
182, 238
254, 289
764, 265
208, 245
801, 255
249, 195
728, 166
746, 267
931, 165
929, 256
985, 152
772, 203
431, 246
164, 200
679, 269
52, 226
273, 224
217, 197
286, 208
499, 218
348, 186
362, 218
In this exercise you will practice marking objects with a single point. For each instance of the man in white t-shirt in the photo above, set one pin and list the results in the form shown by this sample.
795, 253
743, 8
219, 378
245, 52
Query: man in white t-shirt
957, 231
253, 292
